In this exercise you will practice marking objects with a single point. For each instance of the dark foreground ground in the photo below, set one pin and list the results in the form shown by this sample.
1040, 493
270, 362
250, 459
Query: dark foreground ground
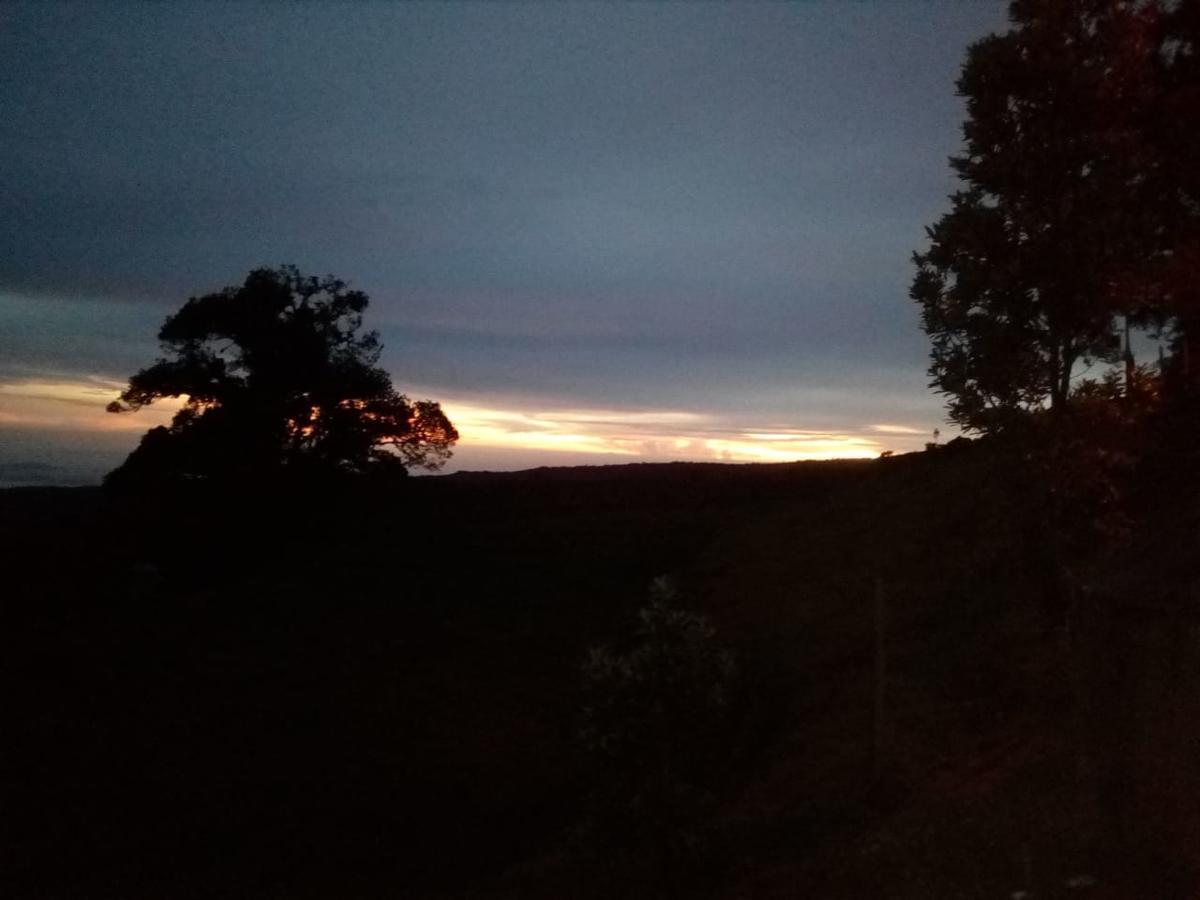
377, 695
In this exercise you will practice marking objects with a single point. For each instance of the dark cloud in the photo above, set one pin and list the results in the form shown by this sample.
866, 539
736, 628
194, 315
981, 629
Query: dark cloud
682, 203
46, 336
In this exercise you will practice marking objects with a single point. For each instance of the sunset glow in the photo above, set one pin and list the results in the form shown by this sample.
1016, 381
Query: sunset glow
74, 405
657, 435
609, 435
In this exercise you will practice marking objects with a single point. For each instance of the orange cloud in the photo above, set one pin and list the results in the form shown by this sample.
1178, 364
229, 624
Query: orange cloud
656, 435
614, 434
76, 405
898, 429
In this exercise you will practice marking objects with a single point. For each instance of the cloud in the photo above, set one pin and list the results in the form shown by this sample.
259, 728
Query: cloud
650, 435
897, 429
656, 210
50, 414
74, 405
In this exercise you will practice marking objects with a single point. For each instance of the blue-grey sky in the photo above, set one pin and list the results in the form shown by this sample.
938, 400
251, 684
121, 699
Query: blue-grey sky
661, 229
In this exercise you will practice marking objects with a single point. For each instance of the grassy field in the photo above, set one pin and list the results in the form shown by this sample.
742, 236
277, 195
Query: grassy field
376, 694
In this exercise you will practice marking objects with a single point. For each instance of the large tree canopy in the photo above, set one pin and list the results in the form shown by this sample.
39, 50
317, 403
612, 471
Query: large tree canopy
1064, 212
277, 375
1176, 139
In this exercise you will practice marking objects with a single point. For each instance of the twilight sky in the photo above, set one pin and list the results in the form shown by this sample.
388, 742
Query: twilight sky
596, 232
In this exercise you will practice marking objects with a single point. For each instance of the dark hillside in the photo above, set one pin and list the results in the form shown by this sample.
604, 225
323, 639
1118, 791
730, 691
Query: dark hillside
376, 693
321, 691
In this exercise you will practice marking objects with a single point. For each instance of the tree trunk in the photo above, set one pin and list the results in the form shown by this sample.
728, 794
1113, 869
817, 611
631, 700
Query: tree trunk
1062, 362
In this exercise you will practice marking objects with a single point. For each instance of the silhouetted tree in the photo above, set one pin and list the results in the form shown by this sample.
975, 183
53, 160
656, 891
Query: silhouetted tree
1176, 144
1042, 249
277, 376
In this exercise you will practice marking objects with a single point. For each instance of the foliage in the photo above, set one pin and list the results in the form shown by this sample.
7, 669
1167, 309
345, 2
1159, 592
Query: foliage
277, 375
649, 715
1080, 468
1062, 206
1177, 146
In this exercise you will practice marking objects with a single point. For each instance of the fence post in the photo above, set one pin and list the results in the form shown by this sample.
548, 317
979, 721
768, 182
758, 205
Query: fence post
878, 708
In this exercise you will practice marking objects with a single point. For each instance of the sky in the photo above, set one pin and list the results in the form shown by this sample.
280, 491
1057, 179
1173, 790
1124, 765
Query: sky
595, 232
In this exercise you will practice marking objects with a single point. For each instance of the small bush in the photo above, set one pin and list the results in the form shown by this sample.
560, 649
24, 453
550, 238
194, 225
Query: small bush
652, 716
